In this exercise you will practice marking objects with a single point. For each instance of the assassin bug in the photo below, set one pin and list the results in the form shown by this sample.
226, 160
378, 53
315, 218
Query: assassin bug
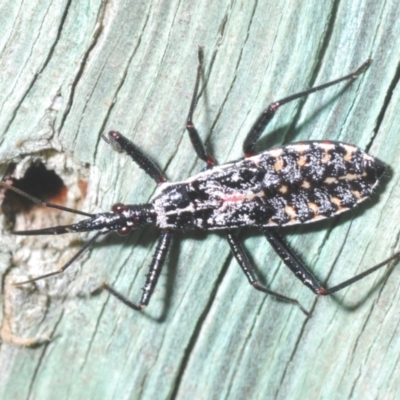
294, 184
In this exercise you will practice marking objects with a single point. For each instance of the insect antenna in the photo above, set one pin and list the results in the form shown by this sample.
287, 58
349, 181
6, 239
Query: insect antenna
65, 266
53, 230
43, 203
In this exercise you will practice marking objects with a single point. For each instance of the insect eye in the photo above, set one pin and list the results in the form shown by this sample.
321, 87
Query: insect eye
114, 135
118, 208
124, 231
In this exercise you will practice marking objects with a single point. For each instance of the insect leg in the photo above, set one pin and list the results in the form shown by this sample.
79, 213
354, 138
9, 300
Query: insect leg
244, 262
342, 285
121, 144
197, 143
152, 277
291, 260
65, 266
266, 116
302, 273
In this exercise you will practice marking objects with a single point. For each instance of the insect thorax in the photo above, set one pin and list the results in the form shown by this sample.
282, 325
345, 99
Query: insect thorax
295, 184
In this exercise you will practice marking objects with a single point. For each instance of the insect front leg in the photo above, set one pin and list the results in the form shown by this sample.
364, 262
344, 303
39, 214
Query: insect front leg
156, 265
197, 143
266, 116
121, 144
244, 262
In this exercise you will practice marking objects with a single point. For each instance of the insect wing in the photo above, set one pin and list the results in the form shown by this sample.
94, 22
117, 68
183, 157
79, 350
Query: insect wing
294, 184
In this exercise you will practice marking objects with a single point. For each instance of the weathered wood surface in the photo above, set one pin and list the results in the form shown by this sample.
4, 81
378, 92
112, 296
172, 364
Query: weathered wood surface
130, 65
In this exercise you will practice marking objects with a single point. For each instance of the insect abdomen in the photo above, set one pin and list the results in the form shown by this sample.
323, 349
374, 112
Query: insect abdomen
295, 184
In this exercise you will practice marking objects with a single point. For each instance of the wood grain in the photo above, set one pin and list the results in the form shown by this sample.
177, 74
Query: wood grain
71, 71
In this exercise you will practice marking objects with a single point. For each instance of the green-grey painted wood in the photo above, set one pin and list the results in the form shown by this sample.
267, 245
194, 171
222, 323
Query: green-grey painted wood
130, 65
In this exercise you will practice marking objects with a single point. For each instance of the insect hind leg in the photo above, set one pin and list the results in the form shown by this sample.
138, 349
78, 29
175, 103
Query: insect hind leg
301, 272
291, 260
342, 285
